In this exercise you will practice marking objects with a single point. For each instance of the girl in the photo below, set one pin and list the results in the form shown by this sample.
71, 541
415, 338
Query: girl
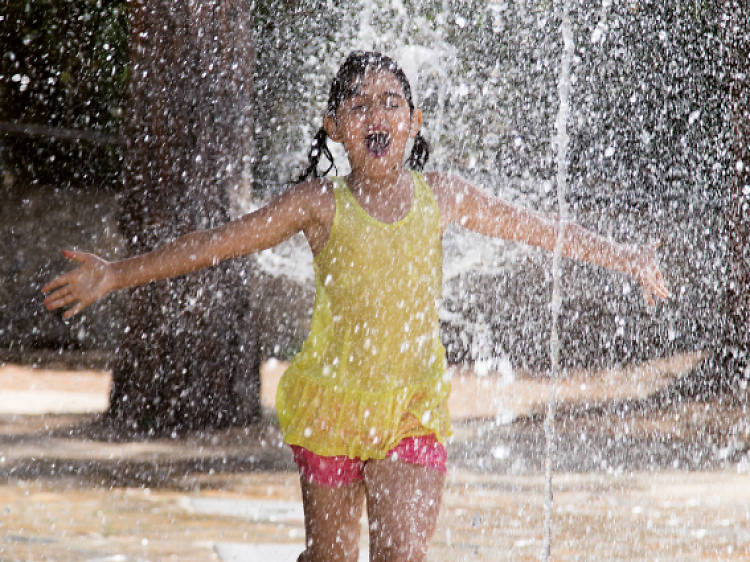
363, 404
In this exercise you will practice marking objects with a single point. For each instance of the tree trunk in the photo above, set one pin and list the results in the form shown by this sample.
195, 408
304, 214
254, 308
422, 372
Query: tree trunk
188, 358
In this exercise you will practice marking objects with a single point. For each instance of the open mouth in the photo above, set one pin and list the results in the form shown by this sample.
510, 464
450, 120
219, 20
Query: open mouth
378, 143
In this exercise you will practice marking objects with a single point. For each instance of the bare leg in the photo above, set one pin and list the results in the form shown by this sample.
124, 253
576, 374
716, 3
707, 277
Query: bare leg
331, 521
403, 503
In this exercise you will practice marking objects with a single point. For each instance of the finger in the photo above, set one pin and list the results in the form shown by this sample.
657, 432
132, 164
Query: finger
664, 290
658, 289
648, 297
50, 303
653, 276
61, 302
80, 257
62, 291
74, 310
56, 283
56, 296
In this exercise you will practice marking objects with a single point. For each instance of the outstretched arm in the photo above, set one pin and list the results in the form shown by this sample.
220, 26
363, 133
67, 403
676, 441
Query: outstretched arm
297, 209
464, 204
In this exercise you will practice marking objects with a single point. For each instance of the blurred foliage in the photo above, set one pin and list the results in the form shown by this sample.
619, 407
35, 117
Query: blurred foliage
63, 65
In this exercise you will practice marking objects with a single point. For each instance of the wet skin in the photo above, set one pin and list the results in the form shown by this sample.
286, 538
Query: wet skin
403, 503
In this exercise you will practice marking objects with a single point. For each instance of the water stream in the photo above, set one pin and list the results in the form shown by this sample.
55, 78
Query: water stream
560, 141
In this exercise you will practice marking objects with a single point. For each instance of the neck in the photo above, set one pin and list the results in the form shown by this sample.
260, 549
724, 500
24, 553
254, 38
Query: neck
367, 184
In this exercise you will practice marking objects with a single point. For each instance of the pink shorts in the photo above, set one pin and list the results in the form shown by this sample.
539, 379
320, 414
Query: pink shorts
337, 471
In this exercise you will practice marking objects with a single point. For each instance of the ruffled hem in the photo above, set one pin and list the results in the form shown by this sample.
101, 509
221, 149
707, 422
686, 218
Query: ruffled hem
330, 420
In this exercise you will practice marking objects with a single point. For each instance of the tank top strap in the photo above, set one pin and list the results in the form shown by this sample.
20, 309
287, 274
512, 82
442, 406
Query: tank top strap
423, 189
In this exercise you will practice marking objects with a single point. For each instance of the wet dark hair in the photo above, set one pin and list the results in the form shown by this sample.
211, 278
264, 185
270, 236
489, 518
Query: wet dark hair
344, 86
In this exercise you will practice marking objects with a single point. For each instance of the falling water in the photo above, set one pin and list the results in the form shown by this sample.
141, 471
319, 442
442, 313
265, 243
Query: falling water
561, 150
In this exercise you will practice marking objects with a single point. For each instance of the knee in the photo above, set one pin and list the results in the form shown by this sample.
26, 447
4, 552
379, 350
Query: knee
333, 551
402, 545
398, 553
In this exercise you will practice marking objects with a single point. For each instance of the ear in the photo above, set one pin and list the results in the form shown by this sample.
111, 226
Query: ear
416, 122
331, 127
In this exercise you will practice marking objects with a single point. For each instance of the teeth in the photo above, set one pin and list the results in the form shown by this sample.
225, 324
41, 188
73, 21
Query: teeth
378, 142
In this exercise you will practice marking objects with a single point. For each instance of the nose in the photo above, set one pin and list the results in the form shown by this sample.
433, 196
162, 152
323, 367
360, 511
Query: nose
377, 109
376, 118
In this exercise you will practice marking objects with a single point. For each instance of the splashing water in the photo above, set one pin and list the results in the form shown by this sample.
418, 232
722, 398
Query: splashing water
652, 144
431, 62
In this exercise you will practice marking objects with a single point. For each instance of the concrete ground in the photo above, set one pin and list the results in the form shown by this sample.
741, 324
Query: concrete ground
67, 494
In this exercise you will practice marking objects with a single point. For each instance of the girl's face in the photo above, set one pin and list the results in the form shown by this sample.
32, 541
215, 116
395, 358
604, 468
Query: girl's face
375, 124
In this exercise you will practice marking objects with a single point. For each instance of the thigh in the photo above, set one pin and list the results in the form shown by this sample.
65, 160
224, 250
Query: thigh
403, 503
332, 516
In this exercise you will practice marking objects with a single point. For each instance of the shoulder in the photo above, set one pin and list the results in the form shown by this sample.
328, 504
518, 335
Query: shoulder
304, 204
446, 184
312, 189
314, 196
320, 205
450, 190
320, 208
459, 199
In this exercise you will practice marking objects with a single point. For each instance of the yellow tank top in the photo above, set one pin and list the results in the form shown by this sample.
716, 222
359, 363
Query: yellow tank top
372, 370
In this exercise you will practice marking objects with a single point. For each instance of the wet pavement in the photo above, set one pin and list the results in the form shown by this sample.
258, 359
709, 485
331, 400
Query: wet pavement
257, 516
70, 493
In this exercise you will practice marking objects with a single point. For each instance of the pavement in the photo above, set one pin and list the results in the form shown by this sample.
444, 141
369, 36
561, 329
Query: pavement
68, 494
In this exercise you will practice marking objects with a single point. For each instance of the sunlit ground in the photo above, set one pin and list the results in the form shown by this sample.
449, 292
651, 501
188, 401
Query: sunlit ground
640, 516
233, 495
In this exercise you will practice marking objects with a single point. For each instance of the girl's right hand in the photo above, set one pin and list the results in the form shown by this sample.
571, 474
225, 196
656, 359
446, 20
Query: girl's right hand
646, 271
81, 286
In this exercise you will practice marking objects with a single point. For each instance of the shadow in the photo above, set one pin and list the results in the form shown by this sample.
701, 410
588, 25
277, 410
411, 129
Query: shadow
666, 430
89, 451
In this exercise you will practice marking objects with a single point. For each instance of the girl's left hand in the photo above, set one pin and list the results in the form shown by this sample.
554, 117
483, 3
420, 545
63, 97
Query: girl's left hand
78, 288
646, 272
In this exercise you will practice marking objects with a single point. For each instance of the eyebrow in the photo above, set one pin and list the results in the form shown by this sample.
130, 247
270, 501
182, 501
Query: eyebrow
388, 94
